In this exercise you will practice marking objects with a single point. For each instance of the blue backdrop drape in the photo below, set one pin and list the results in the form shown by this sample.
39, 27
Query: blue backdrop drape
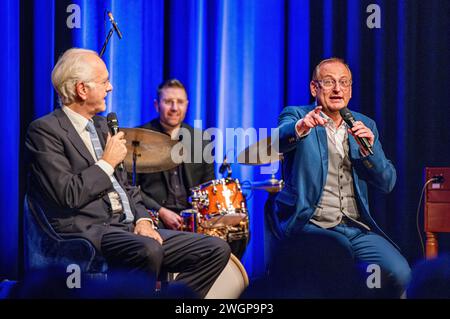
241, 61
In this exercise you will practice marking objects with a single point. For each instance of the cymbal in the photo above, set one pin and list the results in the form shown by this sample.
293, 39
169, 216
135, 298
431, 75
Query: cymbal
272, 185
153, 150
259, 153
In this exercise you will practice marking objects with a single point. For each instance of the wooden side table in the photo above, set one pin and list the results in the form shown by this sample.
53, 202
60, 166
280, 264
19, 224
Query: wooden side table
437, 208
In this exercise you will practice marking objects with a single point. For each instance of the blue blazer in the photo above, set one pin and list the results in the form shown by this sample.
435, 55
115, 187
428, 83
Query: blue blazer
306, 166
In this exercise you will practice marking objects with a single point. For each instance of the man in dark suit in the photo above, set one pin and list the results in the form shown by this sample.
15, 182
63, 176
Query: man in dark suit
323, 211
74, 174
167, 192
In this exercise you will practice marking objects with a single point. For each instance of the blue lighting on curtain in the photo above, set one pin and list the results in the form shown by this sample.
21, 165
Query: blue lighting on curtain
250, 91
9, 143
132, 97
327, 28
93, 23
150, 41
353, 49
401, 107
379, 75
298, 52
43, 56
198, 47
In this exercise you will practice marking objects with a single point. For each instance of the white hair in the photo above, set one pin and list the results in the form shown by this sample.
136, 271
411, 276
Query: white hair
70, 69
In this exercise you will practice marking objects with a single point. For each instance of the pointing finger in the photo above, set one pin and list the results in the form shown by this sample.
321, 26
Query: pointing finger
318, 109
318, 119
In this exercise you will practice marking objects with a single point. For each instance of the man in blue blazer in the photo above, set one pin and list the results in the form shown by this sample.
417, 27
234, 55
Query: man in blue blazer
323, 212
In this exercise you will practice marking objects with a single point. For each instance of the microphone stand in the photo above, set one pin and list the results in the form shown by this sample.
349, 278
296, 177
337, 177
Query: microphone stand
110, 33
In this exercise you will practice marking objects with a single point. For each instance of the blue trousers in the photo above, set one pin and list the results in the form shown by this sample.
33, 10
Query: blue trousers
335, 262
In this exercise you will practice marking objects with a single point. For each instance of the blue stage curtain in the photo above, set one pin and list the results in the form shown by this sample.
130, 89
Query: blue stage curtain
10, 141
242, 62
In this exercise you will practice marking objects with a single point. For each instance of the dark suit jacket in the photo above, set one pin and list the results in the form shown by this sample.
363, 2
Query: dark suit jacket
67, 183
306, 166
154, 186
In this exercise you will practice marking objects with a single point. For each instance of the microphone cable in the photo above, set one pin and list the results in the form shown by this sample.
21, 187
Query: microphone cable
419, 232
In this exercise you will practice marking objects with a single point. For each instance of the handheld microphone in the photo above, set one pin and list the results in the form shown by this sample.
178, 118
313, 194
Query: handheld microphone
113, 125
347, 116
114, 23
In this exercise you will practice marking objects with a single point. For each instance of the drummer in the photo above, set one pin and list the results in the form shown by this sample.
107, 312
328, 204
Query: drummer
167, 192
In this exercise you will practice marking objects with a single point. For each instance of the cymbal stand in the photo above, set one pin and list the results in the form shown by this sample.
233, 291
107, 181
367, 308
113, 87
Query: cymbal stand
135, 156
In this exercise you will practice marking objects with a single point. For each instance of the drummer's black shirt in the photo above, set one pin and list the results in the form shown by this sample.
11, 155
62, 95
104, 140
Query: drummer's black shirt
177, 199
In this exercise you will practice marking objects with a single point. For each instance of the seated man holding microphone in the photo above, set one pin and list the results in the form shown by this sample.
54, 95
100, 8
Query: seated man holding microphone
74, 173
322, 214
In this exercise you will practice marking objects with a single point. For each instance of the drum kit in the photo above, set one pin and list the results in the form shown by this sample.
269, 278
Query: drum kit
219, 207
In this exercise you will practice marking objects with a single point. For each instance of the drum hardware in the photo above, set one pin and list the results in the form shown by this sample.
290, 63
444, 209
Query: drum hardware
135, 145
219, 210
238, 235
271, 185
193, 221
227, 233
190, 220
261, 153
213, 222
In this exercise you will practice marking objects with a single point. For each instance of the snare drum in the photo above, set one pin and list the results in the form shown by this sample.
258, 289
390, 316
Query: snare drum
220, 202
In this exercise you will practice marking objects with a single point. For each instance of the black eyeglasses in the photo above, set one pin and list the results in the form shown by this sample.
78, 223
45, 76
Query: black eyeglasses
331, 83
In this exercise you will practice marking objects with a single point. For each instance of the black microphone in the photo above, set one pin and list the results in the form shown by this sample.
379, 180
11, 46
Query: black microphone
113, 125
347, 116
111, 18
